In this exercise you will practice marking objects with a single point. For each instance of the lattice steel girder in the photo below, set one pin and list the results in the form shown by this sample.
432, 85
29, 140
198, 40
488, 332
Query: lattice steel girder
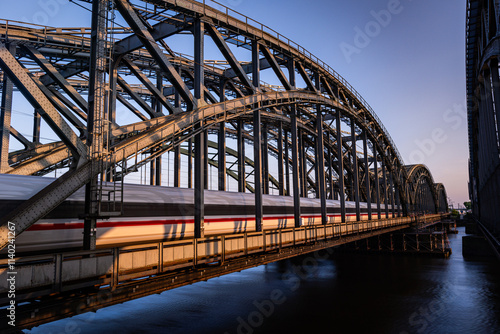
247, 68
5, 117
276, 67
35, 96
60, 106
68, 103
228, 54
161, 129
150, 86
40, 59
305, 77
159, 31
126, 87
196, 9
42, 161
142, 32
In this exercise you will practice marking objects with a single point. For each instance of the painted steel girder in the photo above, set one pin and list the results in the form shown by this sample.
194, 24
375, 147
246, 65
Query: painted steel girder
126, 87
40, 59
276, 67
142, 32
162, 129
195, 9
159, 31
37, 98
231, 59
43, 202
151, 87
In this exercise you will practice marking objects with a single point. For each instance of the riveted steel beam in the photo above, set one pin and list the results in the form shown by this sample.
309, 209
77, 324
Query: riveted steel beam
355, 171
295, 166
126, 87
276, 67
37, 98
59, 105
340, 165
229, 56
320, 165
151, 87
46, 65
43, 202
142, 32
306, 78
367, 175
5, 117
257, 155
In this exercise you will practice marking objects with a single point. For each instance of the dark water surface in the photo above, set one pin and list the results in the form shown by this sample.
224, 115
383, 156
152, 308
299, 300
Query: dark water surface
344, 293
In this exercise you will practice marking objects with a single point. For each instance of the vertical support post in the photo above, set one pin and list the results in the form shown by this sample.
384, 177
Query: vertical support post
255, 64
177, 166
303, 191
158, 171
5, 117
355, 171
152, 172
265, 160
320, 164
287, 167
222, 156
222, 143
205, 159
330, 173
291, 72
95, 125
199, 141
190, 163
199, 185
295, 166
340, 162
159, 110
367, 175
281, 180
386, 197
36, 127
199, 60
241, 158
377, 182
391, 186
398, 201
257, 146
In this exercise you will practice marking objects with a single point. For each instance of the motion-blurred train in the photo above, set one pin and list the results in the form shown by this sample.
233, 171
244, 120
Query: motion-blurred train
154, 213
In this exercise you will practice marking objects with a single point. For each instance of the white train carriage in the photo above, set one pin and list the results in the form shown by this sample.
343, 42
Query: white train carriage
153, 213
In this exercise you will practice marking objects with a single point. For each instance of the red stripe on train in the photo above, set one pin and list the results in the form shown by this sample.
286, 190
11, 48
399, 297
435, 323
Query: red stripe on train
68, 226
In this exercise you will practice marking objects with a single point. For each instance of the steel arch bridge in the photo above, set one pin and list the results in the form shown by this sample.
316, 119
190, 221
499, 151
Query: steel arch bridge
124, 92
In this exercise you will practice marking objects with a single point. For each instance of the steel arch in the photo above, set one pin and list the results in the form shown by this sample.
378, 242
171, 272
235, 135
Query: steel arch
156, 84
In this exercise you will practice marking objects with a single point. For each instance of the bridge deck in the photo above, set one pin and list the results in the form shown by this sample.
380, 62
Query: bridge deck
55, 286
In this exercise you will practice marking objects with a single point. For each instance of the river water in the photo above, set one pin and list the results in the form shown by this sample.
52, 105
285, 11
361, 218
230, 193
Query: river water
319, 293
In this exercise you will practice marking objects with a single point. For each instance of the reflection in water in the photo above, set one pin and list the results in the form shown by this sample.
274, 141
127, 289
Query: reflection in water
344, 293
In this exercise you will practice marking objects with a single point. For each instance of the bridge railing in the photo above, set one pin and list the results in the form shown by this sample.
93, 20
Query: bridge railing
42, 275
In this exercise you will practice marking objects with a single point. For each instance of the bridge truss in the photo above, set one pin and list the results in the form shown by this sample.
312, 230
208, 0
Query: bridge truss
483, 112
125, 92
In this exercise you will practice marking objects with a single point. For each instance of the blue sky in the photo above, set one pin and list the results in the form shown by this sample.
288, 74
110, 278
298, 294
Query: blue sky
408, 64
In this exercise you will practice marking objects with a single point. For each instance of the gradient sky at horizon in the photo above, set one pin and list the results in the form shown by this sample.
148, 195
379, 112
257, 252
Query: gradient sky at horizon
408, 65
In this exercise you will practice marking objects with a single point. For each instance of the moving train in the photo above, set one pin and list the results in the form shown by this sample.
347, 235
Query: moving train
154, 213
